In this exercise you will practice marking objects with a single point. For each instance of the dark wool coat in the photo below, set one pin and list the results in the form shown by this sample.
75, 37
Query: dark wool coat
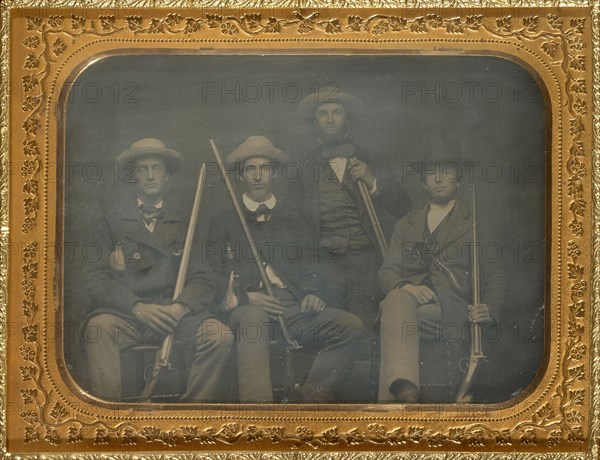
406, 262
285, 241
151, 263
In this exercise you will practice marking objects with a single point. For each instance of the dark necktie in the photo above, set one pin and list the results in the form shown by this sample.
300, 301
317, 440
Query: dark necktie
345, 150
261, 210
149, 213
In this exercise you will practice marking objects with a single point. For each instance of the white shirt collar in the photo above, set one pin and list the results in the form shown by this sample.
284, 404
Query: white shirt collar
338, 164
442, 207
253, 205
158, 205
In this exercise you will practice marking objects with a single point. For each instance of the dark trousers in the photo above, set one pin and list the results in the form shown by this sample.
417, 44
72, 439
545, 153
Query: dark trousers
350, 279
333, 330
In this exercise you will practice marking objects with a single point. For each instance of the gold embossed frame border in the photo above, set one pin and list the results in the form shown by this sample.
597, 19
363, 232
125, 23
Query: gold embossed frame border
41, 47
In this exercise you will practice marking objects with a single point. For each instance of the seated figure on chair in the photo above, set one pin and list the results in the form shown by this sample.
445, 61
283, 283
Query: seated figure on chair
283, 238
426, 280
132, 285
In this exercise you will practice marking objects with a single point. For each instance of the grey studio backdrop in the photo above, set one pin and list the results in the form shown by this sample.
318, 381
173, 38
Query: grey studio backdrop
490, 109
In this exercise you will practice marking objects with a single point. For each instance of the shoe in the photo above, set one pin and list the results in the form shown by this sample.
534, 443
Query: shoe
405, 392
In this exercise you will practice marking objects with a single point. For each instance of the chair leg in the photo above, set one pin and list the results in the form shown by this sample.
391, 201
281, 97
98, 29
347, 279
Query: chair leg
174, 380
375, 367
293, 389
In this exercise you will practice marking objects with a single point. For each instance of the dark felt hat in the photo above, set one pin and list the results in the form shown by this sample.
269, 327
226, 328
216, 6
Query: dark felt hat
443, 156
148, 147
444, 147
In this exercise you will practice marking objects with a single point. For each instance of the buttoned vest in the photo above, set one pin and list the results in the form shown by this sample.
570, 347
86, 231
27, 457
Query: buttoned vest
340, 225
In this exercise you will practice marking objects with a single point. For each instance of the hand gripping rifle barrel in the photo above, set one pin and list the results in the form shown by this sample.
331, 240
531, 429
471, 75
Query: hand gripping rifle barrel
163, 356
250, 240
464, 393
372, 214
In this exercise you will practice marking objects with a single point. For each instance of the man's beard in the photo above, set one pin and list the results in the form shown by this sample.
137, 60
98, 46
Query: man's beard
332, 138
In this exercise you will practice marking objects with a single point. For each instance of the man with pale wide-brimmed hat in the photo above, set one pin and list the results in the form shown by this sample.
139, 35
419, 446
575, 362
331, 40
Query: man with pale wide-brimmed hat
283, 237
330, 196
132, 285
426, 279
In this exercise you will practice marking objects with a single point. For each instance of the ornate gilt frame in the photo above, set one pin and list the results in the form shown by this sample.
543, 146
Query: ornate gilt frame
42, 45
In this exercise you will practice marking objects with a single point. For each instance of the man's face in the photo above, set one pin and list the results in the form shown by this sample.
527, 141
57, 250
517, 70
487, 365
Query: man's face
440, 186
331, 122
151, 176
258, 174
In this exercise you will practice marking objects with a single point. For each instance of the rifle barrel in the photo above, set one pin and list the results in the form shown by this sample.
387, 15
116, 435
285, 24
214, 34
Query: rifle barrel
372, 214
476, 354
163, 356
250, 239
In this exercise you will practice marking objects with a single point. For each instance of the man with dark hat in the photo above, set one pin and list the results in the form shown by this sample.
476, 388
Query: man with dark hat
330, 196
132, 286
283, 239
426, 279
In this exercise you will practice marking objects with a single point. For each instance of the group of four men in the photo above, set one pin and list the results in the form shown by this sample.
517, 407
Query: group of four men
326, 293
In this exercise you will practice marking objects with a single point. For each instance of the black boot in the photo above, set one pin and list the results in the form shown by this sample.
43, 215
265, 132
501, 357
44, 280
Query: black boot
404, 391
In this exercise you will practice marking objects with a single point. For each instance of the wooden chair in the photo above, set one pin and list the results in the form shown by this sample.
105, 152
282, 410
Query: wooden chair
289, 369
137, 364
443, 368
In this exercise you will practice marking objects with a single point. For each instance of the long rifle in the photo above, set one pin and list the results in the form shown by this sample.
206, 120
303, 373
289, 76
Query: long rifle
372, 214
382, 244
163, 356
251, 242
476, 355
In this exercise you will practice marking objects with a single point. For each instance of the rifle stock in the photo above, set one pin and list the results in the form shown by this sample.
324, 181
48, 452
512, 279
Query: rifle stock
163, 356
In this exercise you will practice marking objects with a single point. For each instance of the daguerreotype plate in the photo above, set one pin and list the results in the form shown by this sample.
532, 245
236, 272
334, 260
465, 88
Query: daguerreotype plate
312, 230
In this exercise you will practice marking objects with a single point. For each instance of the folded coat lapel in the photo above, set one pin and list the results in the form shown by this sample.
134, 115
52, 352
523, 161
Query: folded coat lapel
414, 231
167, 227
457, 226
164, 232
349, 184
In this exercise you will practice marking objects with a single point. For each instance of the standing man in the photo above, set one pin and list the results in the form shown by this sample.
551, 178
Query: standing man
132, 285
348, 253
426, 280
283, 239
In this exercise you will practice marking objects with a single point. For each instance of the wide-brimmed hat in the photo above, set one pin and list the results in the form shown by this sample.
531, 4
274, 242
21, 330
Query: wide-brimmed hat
307, 106
256, 146
150, 146
445, 147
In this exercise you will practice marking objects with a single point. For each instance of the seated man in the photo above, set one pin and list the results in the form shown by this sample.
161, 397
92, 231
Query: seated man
132, 286
283, 238
426, 281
